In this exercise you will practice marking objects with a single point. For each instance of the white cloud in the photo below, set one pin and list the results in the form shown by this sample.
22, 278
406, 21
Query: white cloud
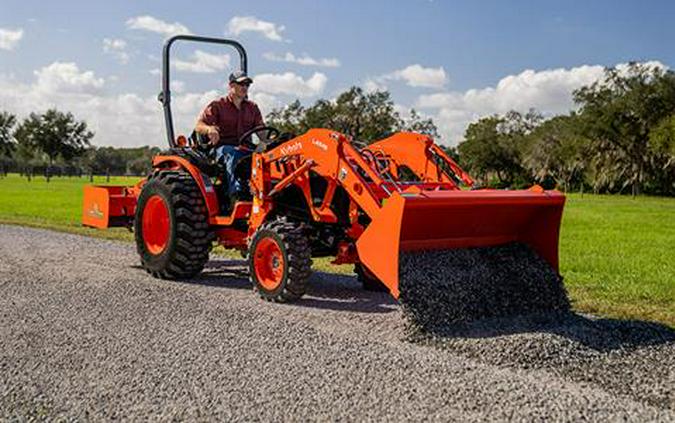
372, 85
67, 78
419, 76
117, 48
114, 44
266, 102
122, 120
203, 62
152, 24
187, 106
269, 30
177, 86
155, 71
304, 60
549, 91
10, 38
653, 64
290, 84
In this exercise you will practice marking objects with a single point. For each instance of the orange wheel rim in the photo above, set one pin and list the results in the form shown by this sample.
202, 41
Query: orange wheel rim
156, 225
268, 261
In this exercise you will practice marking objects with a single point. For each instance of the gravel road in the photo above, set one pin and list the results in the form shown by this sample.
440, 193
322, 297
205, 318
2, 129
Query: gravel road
86, 334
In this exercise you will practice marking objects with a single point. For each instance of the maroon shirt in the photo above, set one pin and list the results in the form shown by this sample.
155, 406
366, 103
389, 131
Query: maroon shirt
231, 122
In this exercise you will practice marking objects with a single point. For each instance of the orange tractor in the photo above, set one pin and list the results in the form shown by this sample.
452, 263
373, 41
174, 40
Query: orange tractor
316, 195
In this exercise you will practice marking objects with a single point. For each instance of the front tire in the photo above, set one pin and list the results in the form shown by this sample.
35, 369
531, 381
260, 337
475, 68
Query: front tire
280, 261
171, 226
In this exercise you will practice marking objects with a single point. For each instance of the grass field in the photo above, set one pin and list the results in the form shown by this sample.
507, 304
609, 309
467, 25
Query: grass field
617, 254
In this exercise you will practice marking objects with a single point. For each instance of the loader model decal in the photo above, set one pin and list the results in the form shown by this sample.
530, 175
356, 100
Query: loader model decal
319, 144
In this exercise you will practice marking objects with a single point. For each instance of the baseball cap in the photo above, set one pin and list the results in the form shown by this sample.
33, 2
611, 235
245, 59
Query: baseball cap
240, 77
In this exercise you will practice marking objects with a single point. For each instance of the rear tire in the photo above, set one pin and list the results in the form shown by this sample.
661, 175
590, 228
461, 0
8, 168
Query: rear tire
171, 226
368, 280
280, 261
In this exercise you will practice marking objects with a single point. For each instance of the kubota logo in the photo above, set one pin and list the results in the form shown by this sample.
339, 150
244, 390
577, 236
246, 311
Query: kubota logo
95, 211
291, 148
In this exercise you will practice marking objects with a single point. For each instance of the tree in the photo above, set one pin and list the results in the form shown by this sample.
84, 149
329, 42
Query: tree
287, 119
421, 126
618, 113
365, 117
493, 148
7, 145
139, 160
54, 134
105, 160
557, 151
662, 138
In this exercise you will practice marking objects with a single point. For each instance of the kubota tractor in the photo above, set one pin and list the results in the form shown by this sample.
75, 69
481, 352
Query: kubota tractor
315, 195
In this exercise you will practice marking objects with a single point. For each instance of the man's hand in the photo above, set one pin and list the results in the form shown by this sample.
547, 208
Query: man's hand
213, 134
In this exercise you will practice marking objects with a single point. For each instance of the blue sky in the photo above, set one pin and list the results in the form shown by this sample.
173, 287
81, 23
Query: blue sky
454, 61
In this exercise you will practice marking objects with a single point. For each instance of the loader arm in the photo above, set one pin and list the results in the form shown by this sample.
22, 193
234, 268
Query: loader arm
431, 214
420, 155
328, 154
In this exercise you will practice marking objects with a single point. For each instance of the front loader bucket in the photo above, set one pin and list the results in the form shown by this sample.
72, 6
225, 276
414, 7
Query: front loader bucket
441, 220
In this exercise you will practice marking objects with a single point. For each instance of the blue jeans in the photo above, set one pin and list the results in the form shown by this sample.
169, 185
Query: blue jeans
228, 156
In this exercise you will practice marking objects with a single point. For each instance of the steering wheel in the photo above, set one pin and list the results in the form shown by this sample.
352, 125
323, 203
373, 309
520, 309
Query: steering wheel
267, 137
199, 141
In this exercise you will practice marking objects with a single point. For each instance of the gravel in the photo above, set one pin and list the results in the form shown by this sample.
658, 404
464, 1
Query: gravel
442, 288
505, 305
87, 335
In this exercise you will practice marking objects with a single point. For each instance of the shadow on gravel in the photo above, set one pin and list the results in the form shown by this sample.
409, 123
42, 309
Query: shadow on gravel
599, 334
326, 290
224, 273
231, 274
343, 293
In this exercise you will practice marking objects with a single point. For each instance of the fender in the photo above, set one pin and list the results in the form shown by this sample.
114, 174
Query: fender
202, 180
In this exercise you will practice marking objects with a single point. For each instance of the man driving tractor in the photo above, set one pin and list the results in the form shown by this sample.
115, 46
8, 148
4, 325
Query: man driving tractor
224, 121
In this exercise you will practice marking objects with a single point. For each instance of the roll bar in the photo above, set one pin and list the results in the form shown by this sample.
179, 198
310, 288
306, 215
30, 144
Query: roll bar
165, 96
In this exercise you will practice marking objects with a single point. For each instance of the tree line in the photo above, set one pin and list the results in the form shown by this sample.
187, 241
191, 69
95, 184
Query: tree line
619, 139
55, 143
362, 116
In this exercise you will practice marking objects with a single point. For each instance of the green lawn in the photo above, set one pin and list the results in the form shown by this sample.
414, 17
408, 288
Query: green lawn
617, 254
54, 205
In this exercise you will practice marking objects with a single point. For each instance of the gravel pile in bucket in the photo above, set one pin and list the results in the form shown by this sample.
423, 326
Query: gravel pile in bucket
439, 289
